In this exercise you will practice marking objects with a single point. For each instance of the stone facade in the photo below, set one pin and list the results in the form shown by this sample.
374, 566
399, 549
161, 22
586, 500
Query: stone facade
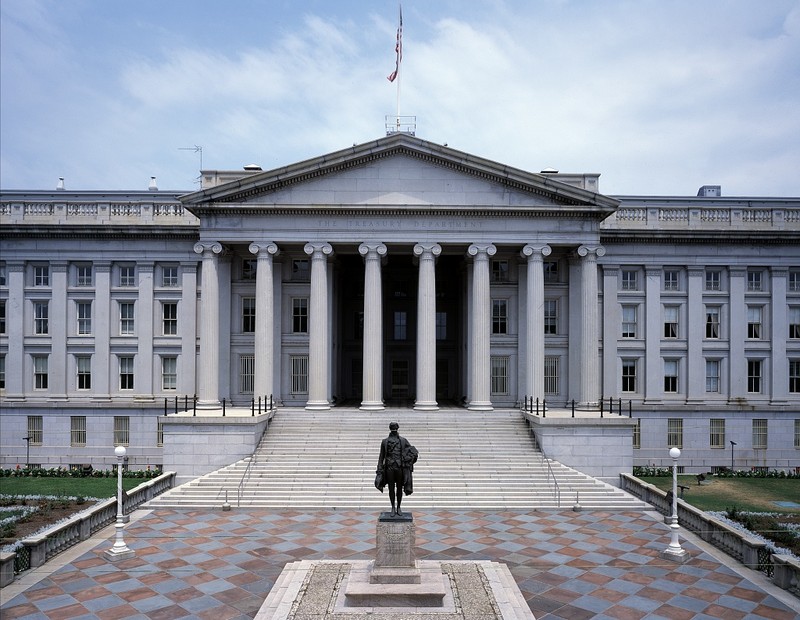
406, 273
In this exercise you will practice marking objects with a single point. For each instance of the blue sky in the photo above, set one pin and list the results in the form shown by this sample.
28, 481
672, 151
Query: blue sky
658, 96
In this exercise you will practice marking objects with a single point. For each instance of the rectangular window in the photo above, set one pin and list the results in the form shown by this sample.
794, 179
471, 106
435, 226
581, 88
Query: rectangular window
754, 376
300, 270
127, 275
754, 322
671, 279
249, 267
499, 316
637, 434
126, 373
754, 280
499, 375
35, 430
670, 321
712, 376
299, 374
675, 433
551, 271
628, 321
83, 367
247, 373
759, 434
122, 430
84, 275
169, 313
248, 315
629, 375
2, 316
84, 312
794, 376
300, 315
716, 436
551, 317
40, 374
794, 322
671, 376
126, 318
551, 374
713, 279
169, 276
441, 326
712, 322
77, 430
400, 325
169, 373
630, 280
41, 275
499, 271
41, 324
794, 281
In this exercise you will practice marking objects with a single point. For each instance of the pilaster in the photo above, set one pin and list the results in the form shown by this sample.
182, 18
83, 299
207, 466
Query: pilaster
426, 326
208, 375
265, 312
373, 253
480, 351
534, 315
318, 342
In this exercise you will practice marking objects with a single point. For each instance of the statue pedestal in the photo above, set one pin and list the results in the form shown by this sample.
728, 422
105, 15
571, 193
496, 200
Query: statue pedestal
394, 579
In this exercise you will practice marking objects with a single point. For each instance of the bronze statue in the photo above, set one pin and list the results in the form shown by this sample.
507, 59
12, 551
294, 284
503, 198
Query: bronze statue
395, 468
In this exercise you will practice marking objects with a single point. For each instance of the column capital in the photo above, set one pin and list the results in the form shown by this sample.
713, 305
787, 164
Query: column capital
478, 250
207, 248
323, 249
535, 251
430, 248
365, 249
263, 249
591, 251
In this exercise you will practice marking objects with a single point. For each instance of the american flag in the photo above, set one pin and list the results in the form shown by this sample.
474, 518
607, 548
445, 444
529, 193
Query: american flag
398, 48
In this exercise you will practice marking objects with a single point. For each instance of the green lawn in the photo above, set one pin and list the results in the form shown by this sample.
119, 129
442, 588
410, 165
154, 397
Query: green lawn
75, 487
748, 494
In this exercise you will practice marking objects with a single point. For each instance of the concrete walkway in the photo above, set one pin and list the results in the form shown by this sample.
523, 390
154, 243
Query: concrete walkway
220, 565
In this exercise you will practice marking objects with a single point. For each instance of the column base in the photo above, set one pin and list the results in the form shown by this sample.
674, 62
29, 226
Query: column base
478, 405
426, 406
372, 406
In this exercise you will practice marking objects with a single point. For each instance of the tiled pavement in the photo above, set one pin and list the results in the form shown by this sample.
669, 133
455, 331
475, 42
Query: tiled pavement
220, 565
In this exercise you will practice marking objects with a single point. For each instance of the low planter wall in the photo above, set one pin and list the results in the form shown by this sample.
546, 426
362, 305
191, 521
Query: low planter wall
753, 553
38, 549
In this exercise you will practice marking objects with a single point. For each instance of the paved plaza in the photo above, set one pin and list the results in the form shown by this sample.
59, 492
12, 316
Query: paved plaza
220, 565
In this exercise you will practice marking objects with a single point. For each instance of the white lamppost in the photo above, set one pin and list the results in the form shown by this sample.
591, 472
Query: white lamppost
120, 550
674, 551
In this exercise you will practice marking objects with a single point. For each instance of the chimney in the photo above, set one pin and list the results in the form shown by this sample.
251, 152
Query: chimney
153, 187
60, 187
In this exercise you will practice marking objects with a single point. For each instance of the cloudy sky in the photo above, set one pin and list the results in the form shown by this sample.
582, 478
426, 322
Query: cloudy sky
659, 96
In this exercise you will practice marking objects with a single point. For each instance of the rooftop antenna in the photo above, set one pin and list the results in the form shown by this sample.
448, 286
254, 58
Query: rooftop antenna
196, 149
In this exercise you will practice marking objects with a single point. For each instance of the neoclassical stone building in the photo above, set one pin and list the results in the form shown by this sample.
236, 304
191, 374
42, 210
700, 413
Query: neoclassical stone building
399, 272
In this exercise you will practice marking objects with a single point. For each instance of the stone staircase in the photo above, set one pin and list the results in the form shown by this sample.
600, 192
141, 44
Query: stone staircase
327, 460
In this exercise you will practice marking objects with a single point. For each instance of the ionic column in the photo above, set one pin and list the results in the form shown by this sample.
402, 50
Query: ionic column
590, 367
534, 329
373, 327
480, 353
208, 372
265, 310
318, 363
426, 326
15, 328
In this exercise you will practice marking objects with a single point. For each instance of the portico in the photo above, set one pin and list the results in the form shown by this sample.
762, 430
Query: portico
399, 271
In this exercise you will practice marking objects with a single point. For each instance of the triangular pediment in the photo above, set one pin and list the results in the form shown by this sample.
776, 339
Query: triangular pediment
397, 171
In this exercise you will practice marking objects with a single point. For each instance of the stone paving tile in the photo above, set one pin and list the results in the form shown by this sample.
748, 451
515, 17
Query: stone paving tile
203, 564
